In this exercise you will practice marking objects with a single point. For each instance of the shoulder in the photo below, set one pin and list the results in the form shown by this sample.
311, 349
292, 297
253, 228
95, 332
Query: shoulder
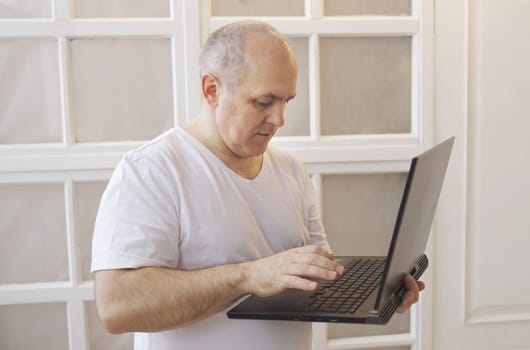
284, 158
166, 151
158, 148
286, 163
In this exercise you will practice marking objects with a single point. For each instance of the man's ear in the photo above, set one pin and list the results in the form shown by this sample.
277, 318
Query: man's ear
210, 89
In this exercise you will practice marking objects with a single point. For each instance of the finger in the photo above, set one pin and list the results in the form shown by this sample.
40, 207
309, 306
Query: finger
296, 282
320, 261
406, 303
409, 298
421, 285
411, 284
311, 271
314, 249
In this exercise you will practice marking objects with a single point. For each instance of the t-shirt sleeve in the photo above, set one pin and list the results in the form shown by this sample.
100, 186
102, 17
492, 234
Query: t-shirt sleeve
136, 224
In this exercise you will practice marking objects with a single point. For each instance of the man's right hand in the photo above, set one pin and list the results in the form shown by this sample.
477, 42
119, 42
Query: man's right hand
295, 268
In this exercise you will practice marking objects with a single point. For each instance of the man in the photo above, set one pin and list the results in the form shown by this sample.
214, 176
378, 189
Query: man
205, 215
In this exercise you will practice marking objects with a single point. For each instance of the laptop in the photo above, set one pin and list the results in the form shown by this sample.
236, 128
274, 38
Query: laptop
371, 288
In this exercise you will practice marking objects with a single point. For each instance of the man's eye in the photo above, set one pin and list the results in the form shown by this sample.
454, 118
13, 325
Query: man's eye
264, 104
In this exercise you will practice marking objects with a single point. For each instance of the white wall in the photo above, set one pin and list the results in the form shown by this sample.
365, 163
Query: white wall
482, 288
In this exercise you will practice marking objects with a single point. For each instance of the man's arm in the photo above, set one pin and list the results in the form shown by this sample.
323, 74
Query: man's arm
154, 299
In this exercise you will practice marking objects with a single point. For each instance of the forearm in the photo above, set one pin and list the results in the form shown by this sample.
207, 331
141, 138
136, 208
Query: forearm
155, 299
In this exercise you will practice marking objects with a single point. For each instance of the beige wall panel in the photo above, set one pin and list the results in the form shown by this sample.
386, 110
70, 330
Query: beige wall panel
33, 326
367, 7
121, 8
359, 211
33, 233
366, 85
30, 109
257, 8
121, 88
25, 8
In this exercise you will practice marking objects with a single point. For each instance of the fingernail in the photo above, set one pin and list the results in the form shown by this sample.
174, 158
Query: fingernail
340, 269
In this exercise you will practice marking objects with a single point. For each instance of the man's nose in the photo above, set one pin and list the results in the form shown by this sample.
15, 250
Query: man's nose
277, 116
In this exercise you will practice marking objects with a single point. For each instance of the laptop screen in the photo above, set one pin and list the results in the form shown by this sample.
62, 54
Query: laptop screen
415, 215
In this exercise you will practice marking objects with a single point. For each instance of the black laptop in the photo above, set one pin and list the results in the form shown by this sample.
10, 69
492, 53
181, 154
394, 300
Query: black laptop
371, 287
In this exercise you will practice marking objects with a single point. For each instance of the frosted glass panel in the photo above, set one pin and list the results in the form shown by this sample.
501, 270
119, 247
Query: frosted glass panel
297, 111
366, 85
367, 7
25, 8
257, 8
30, 109
101, 339
33, 233
121, 88
399, 323
88, 195
387, 348
359, 211
34, 326
121, 8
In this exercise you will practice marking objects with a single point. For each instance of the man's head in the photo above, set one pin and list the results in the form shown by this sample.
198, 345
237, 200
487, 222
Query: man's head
224, 54
248, 76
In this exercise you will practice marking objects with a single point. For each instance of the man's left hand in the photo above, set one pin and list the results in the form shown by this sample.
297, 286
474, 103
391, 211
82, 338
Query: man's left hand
412, 294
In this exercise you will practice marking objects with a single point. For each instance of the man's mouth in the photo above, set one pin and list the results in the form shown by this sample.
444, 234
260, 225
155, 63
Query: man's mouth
266, 133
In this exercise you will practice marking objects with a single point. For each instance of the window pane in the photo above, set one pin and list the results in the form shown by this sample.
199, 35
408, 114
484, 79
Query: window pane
32, 220
359, 212
387, 348
367, 7
399, 323
25, 9
121, 8
30, 109
33, 326
257, 8
121, 88
100, 338
366, 85
297, 111
88, 195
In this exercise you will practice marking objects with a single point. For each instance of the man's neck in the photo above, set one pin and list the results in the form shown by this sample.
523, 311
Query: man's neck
247, 167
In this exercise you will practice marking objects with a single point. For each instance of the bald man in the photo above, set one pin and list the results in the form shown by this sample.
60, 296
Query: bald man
206, 214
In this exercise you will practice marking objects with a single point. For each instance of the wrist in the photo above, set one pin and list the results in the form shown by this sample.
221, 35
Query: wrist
243, 280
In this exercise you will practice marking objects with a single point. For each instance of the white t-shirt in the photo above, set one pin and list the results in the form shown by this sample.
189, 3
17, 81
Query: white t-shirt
173, 203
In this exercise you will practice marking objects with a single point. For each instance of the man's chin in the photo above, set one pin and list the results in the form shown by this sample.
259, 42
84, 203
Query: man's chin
257, 149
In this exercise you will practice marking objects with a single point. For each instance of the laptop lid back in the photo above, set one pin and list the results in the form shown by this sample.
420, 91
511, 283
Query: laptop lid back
415, 216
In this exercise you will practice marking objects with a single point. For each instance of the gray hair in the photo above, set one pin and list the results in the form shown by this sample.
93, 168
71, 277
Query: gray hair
223, 52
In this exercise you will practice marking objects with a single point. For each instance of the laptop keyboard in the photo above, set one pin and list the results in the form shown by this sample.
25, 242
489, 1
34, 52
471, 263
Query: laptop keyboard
347, 293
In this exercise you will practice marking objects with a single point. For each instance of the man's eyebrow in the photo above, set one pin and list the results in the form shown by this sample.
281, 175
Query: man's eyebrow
276, 97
